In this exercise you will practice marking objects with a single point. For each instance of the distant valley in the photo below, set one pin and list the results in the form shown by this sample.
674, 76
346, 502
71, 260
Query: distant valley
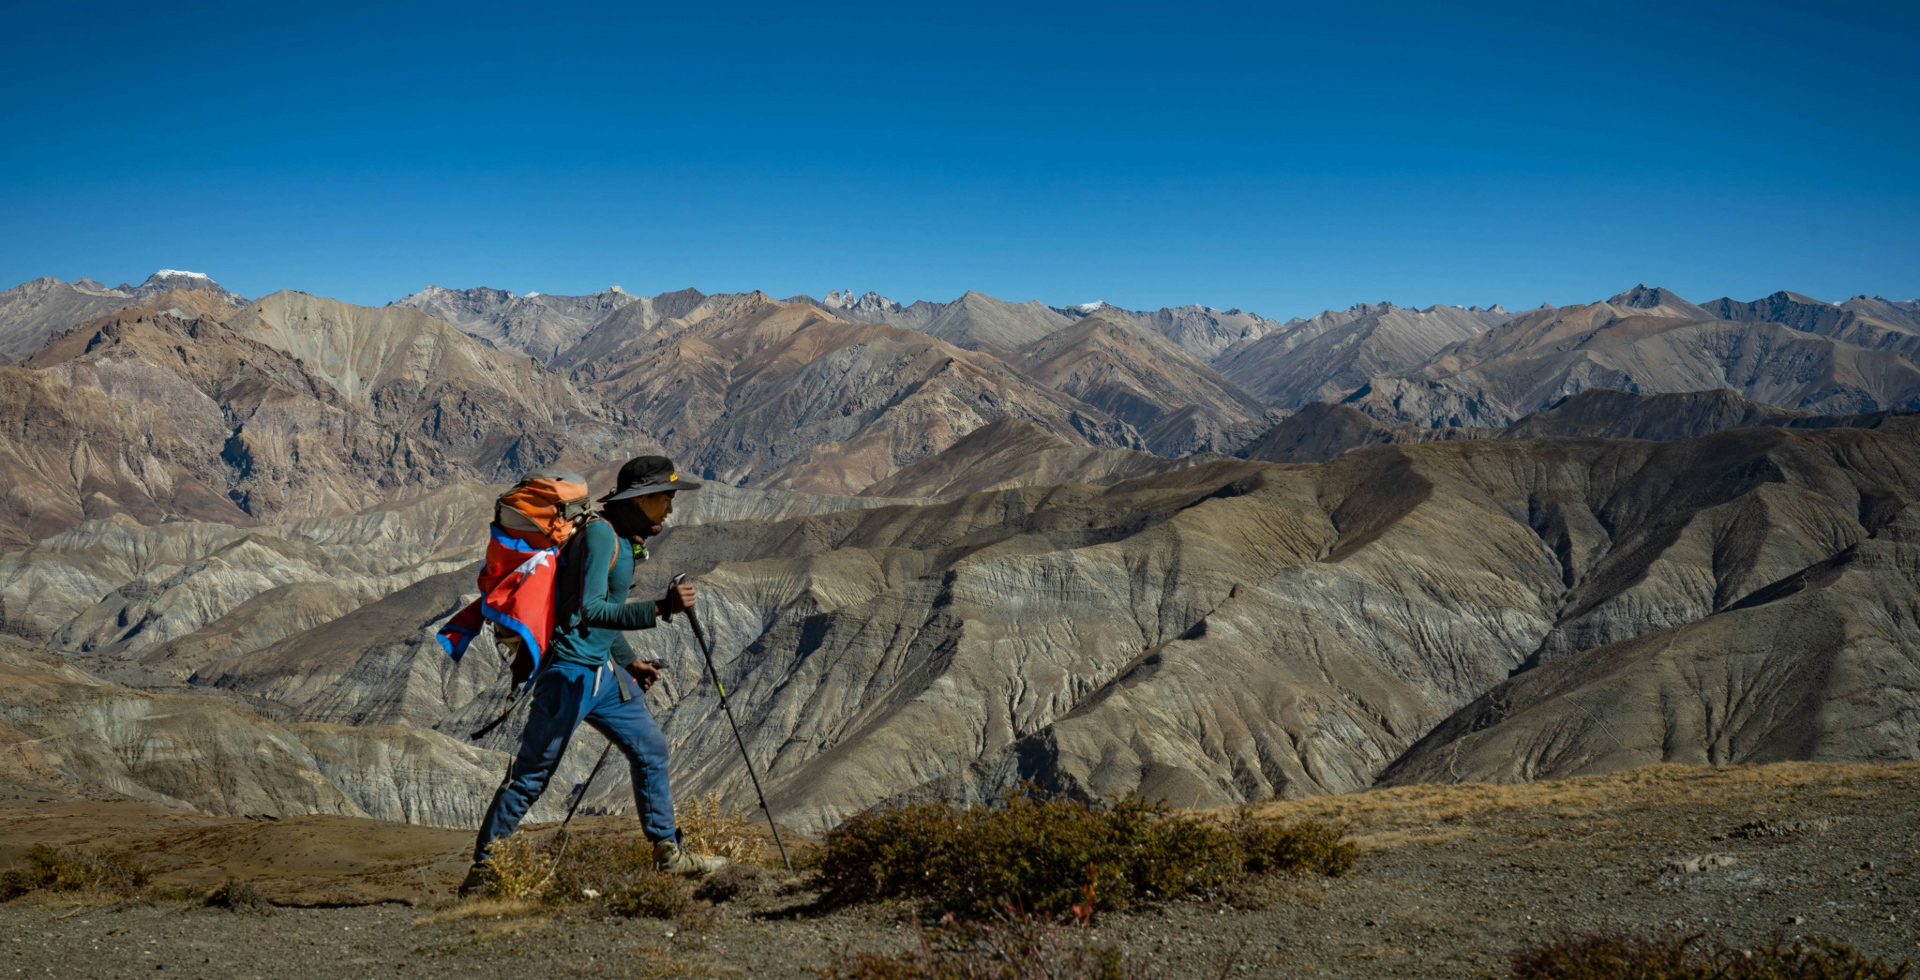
950, 546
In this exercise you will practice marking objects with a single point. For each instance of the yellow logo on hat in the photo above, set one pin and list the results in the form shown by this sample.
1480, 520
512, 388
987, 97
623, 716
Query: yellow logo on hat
672, 478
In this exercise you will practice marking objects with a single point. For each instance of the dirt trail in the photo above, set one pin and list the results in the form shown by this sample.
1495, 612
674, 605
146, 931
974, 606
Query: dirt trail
1454, 878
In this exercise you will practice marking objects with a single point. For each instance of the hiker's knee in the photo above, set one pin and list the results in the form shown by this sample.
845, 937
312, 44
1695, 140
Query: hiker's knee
643, 745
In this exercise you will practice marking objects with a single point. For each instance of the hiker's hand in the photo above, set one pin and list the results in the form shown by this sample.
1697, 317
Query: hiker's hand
646, 673
679, 599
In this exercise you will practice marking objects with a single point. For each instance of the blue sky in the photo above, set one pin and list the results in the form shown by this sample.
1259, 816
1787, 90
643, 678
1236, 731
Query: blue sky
1276, 157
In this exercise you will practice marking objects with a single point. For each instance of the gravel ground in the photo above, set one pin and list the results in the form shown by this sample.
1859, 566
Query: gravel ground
1454, 878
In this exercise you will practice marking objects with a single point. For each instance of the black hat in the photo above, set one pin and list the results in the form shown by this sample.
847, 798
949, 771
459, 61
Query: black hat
647, 474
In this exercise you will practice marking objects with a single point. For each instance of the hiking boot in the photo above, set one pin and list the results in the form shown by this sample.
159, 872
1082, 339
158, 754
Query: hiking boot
478, 883
670, 857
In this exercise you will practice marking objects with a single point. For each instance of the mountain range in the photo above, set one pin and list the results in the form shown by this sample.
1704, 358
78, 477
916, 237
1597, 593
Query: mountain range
949, 547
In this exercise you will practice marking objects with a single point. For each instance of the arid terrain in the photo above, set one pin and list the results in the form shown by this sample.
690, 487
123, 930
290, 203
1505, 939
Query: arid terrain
1321, 565
1453, 878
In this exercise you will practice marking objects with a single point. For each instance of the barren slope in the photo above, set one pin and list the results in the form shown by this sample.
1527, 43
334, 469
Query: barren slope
538, 325
1324, 358
786, 397
1535, 360
1133, 374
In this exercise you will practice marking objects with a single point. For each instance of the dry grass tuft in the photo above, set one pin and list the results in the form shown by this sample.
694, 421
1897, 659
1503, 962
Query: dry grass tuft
652, 895
730, 883
484, 908
1614, 956
1432, 812
103, 874
1015, 948
521, 868
614, 870
238, 896
707, 829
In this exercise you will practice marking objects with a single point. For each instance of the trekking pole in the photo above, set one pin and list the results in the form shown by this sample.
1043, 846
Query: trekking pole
561, 834
693, 620
575, 805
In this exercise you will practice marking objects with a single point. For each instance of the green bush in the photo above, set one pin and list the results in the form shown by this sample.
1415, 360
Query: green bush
1037, 854
1270, 847
1615, 956
62, 869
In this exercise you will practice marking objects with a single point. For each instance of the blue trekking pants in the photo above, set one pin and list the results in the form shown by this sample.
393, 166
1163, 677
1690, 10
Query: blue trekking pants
566, 695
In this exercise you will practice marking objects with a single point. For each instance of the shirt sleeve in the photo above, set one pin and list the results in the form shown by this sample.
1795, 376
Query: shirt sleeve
596, 609
622, 651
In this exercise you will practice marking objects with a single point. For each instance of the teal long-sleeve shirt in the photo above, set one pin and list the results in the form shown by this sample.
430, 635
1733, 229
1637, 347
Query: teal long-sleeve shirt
594, 637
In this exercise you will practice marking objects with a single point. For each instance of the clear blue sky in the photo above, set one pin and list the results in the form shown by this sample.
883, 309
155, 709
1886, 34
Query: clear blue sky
1280, 158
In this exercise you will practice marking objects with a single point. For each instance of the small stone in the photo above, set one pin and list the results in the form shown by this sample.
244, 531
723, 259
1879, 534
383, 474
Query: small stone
1794, 920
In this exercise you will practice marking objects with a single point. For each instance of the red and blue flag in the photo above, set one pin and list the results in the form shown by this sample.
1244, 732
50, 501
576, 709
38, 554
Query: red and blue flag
516, 592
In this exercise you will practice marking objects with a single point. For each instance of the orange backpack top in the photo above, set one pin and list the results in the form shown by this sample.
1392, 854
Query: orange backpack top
544, 508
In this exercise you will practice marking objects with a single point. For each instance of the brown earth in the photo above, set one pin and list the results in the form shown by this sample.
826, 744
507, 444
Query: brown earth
1453, 878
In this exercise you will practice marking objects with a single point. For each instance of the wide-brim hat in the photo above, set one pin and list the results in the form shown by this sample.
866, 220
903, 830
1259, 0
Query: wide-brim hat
643, 475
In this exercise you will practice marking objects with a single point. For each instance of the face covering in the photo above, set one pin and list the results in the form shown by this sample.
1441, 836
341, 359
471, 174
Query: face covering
627, 520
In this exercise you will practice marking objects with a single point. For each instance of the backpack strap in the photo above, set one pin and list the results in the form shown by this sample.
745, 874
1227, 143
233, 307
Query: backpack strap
569, 587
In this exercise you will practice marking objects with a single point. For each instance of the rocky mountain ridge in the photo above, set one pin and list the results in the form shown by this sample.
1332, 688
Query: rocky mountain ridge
538, 325
941, 565
33, 312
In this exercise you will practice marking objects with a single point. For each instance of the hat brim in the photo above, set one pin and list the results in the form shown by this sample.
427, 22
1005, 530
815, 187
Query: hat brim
647, 488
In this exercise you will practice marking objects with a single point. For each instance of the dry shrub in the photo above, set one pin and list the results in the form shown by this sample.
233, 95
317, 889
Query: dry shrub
1267, 847
521, 868
1016, 948
238, 896
107, 874
652, 895
1037, 854
707, 829
730, 883
615, 870
1615, 956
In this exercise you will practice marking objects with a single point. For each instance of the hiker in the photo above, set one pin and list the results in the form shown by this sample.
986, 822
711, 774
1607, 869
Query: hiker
591, 674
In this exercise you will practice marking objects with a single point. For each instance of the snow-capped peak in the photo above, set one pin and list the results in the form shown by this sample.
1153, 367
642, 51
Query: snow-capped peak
170, 273
531, 295
1090, 307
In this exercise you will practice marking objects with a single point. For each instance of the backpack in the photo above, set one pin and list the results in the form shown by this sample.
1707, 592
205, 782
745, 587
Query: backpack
533, 522
545, 508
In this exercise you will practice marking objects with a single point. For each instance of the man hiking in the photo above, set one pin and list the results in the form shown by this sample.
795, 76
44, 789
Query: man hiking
590, 673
